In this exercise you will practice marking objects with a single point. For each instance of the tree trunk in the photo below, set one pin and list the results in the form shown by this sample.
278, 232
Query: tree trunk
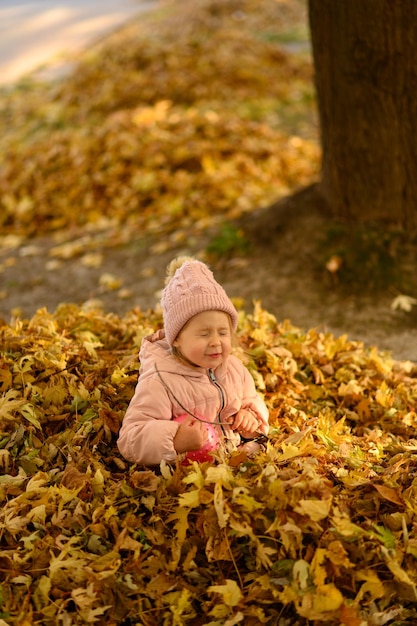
365, 56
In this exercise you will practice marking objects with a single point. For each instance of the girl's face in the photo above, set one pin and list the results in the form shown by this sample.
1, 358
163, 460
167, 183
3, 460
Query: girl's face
206, 339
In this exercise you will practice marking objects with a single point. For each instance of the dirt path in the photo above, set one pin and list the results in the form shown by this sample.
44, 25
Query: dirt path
283, 271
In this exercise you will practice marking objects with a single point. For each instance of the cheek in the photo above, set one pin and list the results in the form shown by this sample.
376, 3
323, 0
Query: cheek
190, 347
197, 346
226, 345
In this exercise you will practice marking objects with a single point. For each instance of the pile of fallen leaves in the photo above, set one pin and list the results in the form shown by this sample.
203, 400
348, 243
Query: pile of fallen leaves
189, 117
319, 528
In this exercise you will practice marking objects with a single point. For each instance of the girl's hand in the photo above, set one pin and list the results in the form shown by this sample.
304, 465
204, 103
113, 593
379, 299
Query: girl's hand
191, 435
245, 423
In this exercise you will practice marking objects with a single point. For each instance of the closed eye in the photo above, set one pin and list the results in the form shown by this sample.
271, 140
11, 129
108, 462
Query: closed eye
206, 333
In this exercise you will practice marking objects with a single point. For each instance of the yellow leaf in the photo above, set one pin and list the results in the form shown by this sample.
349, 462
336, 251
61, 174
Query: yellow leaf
190, 499
208, 164
220, 474
289, 452
399, 573
29, 412
245, 500
126, 542
147, 116
195, 477
315, 509
92, 259
106, 565
230, 592
337, 554
180, 515
23, 579
9, 403
41, 593
84, 597
53, 394
352, 388
89, 615
166, 470
263, 553
345, 527
37, 514
403, 303
110, 282
90, 343
72, 564
218, 548
301, 573
97, 482
372, 585
118, 375
38, 482
318, 571
68, 250
327, 598
219, 505
384, 395
6, 376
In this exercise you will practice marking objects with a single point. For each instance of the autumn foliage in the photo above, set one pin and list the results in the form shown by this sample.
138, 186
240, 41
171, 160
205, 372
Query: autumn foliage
317, 529
168, 128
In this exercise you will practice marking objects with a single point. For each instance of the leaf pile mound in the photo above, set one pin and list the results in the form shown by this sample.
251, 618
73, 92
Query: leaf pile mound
194, 115
318, 528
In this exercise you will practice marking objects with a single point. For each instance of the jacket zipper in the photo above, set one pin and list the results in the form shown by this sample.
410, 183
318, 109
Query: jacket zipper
213, 379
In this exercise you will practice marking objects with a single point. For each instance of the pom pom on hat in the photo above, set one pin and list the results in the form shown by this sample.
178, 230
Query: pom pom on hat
191, 289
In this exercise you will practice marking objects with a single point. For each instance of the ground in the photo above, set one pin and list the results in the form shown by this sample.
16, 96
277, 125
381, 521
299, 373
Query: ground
283, 268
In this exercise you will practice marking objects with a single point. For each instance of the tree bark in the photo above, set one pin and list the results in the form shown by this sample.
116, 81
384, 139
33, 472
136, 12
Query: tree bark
365, 57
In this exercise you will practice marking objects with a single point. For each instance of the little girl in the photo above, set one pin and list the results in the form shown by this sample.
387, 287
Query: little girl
187, 368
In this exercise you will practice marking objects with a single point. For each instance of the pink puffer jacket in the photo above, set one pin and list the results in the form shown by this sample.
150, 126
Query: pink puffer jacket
148, 430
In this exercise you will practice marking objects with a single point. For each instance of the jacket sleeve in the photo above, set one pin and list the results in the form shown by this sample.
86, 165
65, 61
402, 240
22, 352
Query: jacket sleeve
253, 401
147, 432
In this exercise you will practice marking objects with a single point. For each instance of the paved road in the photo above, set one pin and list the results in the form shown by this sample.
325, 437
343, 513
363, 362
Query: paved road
35, 33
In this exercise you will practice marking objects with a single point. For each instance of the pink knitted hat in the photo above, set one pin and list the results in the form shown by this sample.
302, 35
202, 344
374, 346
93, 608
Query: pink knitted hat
191, 289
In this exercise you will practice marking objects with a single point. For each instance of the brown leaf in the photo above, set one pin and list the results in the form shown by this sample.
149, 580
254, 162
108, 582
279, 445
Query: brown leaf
389, 494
